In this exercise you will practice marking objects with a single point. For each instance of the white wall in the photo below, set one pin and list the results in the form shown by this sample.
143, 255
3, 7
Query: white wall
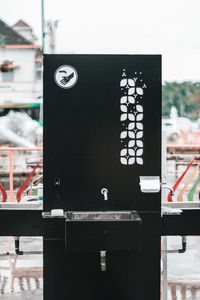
25, 58
24, 87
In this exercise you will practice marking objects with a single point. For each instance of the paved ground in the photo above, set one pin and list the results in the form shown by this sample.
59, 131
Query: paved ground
21, 277
184, 270
27, 295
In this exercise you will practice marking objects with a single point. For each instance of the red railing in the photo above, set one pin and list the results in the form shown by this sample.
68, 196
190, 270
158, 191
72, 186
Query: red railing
180, 179
9, 164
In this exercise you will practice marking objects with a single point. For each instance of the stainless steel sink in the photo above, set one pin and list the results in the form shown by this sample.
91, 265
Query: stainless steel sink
102, 216
36, 205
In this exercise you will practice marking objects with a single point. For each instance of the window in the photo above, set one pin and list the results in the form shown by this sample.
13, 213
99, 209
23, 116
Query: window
8, 76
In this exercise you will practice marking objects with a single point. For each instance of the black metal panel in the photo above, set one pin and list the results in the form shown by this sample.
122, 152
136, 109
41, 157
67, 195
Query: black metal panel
128, 276
78, 275
110, 235
82, 146
186, 223
54, 257
82, 133
30, 223
21, 222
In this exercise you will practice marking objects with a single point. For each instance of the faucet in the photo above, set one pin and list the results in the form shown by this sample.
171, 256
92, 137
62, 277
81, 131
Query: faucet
104, 192
169, 188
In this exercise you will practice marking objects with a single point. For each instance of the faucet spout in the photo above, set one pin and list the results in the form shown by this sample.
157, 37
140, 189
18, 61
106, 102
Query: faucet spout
104, 192
169, 188
103, 260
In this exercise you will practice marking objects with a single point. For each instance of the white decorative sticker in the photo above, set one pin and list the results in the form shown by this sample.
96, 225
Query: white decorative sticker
131, 118
66, 77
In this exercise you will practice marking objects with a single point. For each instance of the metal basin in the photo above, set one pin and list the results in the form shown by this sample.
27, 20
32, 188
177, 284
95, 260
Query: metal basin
102, 216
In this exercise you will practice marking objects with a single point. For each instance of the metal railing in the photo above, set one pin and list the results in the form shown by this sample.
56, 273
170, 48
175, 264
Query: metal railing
183, 290
16, 163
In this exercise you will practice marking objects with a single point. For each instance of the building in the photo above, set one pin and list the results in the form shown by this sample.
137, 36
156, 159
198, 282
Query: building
20, 65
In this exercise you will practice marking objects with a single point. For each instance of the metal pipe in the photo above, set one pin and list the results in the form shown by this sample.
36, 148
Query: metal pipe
32, 252
169, 188
17, 251
184, 245
11, 175
28, 252
164, 197
165, 271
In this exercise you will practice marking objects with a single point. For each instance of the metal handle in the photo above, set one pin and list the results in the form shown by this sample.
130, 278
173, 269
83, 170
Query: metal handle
103, 260
169, 188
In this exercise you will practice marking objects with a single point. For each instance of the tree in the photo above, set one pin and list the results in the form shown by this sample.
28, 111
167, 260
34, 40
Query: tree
185, 96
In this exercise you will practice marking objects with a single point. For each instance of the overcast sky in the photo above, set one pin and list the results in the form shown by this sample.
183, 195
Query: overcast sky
167, 27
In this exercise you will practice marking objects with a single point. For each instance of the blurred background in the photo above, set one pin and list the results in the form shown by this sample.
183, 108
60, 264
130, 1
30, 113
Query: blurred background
30, 28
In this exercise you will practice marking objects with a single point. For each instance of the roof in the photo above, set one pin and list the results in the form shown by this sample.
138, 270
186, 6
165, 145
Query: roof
8, 36
21, 23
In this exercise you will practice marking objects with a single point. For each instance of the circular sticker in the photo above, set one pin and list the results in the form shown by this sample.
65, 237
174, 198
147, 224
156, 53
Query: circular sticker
66, 77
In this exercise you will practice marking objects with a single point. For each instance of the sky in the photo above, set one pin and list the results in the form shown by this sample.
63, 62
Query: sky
167, 27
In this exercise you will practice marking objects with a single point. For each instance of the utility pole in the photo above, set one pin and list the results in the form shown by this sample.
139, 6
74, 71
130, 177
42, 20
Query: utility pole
43, 32
51, 32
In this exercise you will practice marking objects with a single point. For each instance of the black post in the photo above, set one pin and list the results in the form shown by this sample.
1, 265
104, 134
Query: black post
102, 131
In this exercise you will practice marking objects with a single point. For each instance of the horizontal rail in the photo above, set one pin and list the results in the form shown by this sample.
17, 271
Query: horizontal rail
18, 171
183, 146
12, 168
184, 162
20, 149
181, 154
